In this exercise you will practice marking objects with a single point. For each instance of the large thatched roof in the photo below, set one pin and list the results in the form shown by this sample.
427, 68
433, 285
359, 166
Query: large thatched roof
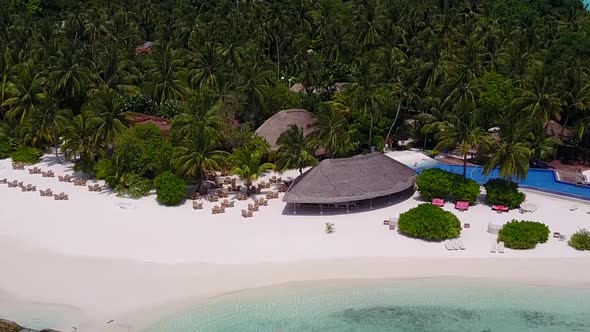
351, 179
274, 126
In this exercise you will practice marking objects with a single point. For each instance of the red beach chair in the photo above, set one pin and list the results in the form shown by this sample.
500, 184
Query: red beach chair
462, 205
500, 208
438, 202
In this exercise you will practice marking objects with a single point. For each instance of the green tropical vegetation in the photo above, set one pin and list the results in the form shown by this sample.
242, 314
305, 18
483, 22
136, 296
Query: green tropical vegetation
170, 189
26, 155
429, 222
520, 234
436, 183
502, 192
580, 240
436, 74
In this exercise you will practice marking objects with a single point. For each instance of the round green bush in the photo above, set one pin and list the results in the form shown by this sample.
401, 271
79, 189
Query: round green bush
429, 222
518, 234
26, 155
170, 189
133, 185
436, 183
580, 240
500, 191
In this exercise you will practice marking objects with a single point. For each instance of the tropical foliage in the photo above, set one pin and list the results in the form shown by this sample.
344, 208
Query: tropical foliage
429, 222
170, 189
580, 240
500, 191
523, 234
436, 183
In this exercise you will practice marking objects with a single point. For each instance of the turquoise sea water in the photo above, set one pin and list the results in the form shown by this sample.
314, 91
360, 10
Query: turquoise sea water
412, 305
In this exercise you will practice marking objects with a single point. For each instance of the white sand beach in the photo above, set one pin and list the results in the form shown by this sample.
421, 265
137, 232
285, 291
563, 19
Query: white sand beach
105, 262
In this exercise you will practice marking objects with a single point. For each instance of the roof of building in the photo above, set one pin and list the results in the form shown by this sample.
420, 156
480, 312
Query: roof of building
139, 118
556, 130
351, 179
274, 126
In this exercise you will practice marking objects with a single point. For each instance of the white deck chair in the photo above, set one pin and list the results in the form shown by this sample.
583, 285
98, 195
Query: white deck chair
573, 208
460, 244
501, 247
454, 244
448, 245
493, 247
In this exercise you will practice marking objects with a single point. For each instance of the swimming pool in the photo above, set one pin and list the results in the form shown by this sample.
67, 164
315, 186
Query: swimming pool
537, 179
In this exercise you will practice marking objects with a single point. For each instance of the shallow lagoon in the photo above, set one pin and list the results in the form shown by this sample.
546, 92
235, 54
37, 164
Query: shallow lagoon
406, 305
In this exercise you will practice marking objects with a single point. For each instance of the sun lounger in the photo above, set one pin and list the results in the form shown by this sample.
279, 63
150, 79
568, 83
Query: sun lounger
573, 208
493, 247
222, 209
460, 244
438, 202
501, 247
64, 196
448, 245
455, 245
462, 205
231, 203
562, 237
244, 213
3, 181
215, 209
500, 208
391, 227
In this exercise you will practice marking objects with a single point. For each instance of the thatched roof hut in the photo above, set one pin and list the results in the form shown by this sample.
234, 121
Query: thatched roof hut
139, 118
554, 129
351, 179
274, 126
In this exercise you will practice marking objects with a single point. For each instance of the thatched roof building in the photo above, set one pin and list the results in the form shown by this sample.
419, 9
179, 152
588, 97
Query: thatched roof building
139, 118
274, 126
351, 179
554, 129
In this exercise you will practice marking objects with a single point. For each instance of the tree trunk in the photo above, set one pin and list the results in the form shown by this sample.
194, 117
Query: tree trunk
278, 60
371, 131
55, 146
300, 171
465, 167
399, 106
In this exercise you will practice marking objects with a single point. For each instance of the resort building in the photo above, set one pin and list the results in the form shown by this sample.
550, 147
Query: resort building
345, 182
274, 126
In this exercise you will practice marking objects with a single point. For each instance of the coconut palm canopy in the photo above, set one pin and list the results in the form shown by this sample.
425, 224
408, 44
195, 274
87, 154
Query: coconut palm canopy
272, 128
351, 179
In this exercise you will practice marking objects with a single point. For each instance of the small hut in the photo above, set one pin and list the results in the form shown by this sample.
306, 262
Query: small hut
342, 183
554, 129
277, 124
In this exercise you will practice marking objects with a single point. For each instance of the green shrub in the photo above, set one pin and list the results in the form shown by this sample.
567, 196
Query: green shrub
429, 222
500, 191
170, 189
580, 240
143, 150
4, 149
436, 183
26, 155
523, 234
133, 185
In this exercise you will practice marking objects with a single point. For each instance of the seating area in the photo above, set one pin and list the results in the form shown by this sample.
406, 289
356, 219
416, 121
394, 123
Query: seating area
438, 202
454, 244
500, 208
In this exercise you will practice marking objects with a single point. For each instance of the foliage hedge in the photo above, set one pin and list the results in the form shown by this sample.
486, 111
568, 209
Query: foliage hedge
523, 234
4, 149
26, 155
580, 240
170, 189
133, 185
500, 191
436, 183
429, 222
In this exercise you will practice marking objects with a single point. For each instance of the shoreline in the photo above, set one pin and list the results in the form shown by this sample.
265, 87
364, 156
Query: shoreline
164, 289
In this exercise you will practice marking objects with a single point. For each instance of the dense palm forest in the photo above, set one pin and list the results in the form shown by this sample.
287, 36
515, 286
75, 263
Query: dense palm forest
438, 72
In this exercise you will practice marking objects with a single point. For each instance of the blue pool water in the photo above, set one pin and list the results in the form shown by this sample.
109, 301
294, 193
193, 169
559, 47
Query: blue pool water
538, 179
392, 306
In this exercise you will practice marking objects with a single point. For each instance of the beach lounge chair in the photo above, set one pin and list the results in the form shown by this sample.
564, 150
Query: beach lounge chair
562, 237
448, 245
454, 244
438, 202
493, 247
222, 209
573, 208
64, 196
250, 207
501, 247
23, 188
3, 181
460, 244
391, 226
385, 222
462, 205
215, 209
244, 213
500, 208
256, 206
231, 203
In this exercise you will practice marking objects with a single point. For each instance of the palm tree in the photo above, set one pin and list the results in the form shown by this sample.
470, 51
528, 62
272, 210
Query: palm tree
197, 154
164, 83
512, 154
48, 122
537, 98
107, 108
70, 77
79, 137
256, 79
332, 132
248, 165
295, 151
25, 94
459, 129
365, 97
